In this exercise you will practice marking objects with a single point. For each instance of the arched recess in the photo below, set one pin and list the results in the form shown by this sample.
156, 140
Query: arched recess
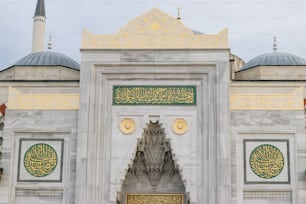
153, 171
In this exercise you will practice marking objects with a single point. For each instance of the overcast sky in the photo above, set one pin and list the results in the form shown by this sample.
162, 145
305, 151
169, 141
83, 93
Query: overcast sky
251, 23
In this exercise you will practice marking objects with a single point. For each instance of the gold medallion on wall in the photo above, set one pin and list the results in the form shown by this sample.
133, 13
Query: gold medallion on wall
267, 161
40, 160
180, 126
127, 126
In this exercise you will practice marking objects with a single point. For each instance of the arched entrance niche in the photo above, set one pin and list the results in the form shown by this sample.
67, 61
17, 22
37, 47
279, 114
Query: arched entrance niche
153, 177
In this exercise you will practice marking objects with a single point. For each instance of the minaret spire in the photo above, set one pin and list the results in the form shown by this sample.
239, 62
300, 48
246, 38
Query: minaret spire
50, 43
40, 8
274, 44
39, 27
178, 14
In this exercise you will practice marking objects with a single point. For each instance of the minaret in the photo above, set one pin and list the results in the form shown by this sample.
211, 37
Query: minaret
39, 24
274, 44
178, 14
50, 43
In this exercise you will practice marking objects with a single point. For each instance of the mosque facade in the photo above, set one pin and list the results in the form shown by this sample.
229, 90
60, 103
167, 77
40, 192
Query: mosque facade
155, 114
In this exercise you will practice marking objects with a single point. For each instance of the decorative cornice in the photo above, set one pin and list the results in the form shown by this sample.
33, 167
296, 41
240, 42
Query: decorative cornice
155, 30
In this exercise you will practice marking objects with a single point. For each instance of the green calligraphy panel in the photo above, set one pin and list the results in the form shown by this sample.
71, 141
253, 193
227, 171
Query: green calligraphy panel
154, 95
40, 160
267, 161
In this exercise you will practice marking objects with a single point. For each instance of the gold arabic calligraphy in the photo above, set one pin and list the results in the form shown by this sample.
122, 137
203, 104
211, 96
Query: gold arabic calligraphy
155, 199
154, 95
40, 160
266, 161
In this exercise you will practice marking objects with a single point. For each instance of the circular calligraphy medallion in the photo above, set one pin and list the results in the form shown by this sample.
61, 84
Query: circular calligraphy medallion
127, 126
40, 160
266, 161
179, 126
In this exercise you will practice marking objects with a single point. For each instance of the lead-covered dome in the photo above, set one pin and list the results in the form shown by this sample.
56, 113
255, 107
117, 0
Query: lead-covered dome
275, 59
48, 58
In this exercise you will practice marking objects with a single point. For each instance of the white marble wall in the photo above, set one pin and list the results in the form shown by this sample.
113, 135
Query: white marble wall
287, 125
104, 153
38, 125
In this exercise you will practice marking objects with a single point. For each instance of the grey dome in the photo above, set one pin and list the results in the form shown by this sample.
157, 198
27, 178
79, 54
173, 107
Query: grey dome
275, 59
48, 58
197, 32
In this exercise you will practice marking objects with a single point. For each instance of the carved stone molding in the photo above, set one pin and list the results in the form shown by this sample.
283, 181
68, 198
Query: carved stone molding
153, 156
153, 171
267, 194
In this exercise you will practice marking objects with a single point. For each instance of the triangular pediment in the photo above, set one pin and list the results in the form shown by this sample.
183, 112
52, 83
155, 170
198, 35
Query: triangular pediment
158, 30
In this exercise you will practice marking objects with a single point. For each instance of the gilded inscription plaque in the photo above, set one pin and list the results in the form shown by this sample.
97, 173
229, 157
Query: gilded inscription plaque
154, 95
40, 160
266, 161
155, 199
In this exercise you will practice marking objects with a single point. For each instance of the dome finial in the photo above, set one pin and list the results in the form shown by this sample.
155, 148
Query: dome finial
178, 13
50, 43
274, 44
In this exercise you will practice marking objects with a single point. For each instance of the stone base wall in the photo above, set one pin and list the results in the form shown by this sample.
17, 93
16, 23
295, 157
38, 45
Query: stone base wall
25, 131
284, 130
